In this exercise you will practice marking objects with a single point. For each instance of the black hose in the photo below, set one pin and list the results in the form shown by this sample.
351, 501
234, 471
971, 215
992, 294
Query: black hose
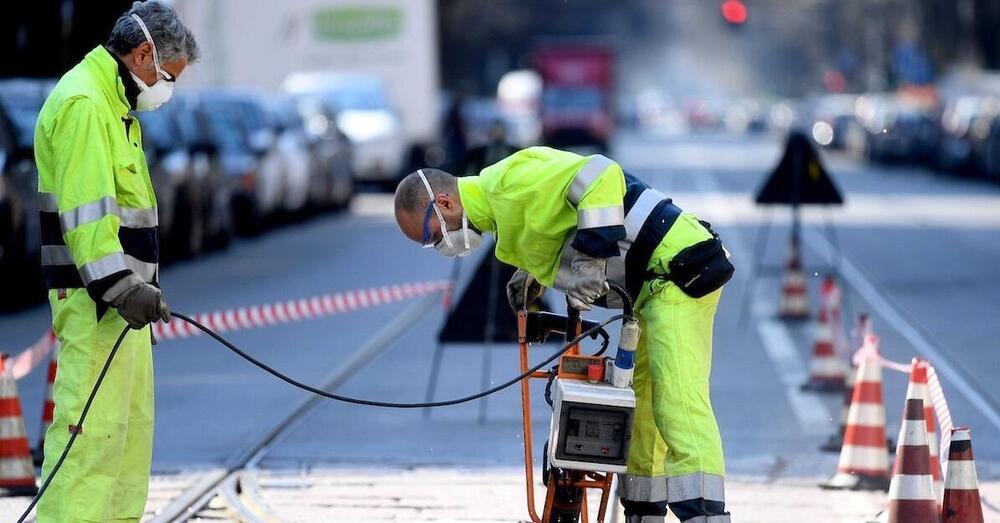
392, 405
77, 428
298, 384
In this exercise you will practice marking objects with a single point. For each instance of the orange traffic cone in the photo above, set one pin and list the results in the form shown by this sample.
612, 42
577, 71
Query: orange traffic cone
864, 457
826, 370
17, 475
961, 489
47, 408
794, 303
911, 493
836, 440
917, 389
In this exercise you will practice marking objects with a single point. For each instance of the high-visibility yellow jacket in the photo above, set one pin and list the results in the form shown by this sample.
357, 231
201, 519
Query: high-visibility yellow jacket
97, 206
545, 205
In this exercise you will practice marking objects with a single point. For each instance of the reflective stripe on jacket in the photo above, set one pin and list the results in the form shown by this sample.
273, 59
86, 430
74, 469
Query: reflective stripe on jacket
97, 206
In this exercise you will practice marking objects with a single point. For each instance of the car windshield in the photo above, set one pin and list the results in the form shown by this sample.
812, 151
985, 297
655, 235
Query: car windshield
223, 124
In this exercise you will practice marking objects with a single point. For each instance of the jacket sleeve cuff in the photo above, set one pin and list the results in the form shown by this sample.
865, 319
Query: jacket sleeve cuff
599, 242
108, 289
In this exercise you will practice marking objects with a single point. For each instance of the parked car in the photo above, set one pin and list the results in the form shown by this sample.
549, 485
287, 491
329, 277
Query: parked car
292, 146
179, 149
332, 180
955, 150
363, 114
235, 124
20, 236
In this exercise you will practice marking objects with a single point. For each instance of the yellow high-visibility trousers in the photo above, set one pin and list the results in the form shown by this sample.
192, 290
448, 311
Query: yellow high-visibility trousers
106, 475
675, 457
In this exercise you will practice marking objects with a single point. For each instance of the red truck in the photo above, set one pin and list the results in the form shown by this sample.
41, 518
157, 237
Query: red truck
577, 83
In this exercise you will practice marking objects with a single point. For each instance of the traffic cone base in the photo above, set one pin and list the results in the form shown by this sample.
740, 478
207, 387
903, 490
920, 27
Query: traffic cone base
911, 492
864, 458
962, 503
17, 475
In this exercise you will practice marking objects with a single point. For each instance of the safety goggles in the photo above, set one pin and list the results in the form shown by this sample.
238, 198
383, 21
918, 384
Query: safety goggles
432, 208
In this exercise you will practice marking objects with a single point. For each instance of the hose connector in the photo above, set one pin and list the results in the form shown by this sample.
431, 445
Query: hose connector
624, 366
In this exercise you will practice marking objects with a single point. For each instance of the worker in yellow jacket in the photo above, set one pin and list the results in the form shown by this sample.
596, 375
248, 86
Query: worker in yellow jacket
573, 222
100, 262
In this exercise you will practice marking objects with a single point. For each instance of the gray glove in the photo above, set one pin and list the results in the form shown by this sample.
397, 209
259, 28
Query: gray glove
141, 305
588, 281
522, 290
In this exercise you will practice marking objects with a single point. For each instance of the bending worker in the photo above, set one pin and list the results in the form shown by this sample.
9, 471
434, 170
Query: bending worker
99, 260
573, 222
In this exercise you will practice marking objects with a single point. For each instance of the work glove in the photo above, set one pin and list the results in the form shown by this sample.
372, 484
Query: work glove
522, 290
141, 305
588, 281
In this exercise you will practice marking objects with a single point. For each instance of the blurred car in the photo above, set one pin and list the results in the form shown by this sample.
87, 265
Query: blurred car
365, 116
180, 153
955, 149
292, 147
170, 171
332, 181
835, 122
20, 235
236, 124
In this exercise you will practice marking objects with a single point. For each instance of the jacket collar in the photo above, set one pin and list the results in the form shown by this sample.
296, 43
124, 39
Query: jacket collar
105, 69
476, 205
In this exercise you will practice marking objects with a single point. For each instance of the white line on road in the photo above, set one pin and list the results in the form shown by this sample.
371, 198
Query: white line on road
864, 287
809, 409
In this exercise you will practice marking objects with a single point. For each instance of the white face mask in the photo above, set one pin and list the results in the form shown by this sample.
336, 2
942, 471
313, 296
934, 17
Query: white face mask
459, 242
156, 95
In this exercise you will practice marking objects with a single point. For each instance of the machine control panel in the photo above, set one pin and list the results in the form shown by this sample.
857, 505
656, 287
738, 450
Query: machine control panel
591, 426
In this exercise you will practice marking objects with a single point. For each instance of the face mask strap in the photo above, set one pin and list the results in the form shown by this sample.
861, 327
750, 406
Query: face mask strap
465, 229
149, 38
430, 193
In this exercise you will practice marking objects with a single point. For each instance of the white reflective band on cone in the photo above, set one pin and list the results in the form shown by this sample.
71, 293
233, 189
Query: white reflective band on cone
913, 432
906, 486
962, 476
868, 415
874, 458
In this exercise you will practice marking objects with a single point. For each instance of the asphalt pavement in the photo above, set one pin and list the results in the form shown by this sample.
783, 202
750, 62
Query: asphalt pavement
916, 250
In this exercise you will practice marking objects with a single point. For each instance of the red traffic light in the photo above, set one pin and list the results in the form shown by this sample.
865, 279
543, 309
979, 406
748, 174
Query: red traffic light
734, 12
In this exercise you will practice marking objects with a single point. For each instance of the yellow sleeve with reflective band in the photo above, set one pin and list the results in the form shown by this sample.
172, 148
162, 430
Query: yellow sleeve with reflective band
597, 192
85, 195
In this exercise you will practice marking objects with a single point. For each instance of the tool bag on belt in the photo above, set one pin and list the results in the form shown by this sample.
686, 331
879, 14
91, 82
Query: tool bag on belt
702, 268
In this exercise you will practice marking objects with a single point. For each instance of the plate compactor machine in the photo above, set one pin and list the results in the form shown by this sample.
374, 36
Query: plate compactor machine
592, 408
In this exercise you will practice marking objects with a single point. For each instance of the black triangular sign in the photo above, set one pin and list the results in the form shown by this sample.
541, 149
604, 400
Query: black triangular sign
800, 178
467, 322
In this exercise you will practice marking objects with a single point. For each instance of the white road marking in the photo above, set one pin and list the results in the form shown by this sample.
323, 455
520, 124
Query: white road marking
864, 287
809, 409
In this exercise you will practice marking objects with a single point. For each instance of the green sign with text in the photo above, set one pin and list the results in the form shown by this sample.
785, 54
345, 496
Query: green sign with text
357, 23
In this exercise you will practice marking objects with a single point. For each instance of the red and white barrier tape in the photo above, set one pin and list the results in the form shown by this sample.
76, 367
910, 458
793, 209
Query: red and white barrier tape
33, 356
256, 316
296, 310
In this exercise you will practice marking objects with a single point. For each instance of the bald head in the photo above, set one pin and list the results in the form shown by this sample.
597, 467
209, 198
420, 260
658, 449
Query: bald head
412, 199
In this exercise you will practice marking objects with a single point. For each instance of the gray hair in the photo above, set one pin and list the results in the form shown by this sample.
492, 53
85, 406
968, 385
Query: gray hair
172, 38
411, 195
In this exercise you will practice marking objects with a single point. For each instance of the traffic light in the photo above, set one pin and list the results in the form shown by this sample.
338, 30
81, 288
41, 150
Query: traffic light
734, 12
